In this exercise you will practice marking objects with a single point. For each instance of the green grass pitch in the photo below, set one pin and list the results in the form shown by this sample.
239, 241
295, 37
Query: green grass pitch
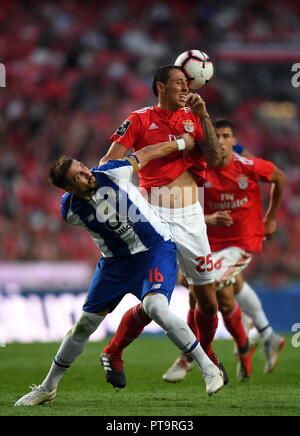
84, 391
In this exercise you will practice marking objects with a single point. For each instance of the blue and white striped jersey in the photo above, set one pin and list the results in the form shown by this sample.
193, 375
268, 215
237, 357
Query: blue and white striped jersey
120, 221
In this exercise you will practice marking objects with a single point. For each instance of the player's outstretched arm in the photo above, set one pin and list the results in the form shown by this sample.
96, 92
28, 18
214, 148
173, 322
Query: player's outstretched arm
162, 149
276, 194
116, 151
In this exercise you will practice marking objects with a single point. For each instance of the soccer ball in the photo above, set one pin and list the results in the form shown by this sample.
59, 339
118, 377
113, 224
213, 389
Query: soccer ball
197, 67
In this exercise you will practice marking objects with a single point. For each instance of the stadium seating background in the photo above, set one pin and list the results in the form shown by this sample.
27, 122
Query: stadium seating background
76, 69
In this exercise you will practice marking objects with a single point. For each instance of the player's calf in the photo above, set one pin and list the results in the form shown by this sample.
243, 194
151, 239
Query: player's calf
244, 365
156, 306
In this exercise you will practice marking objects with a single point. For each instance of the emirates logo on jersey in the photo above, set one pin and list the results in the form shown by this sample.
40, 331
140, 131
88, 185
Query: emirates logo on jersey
188, 126
243, 181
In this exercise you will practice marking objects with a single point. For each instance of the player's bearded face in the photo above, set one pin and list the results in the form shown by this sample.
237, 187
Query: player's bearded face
83, 180
176, 89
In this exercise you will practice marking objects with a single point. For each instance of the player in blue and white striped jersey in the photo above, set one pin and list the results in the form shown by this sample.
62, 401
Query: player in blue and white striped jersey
120, 221
139, 257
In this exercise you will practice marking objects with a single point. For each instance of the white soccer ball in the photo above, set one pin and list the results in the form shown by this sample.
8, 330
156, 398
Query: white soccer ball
197, 67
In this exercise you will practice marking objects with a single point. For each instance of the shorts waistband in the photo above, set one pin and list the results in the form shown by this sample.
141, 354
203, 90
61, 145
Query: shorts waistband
189, 210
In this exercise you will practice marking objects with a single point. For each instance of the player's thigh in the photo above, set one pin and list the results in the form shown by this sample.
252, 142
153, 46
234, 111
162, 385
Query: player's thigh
107, 287
228, 263
226, 301
159, 273
238, 283
194, 254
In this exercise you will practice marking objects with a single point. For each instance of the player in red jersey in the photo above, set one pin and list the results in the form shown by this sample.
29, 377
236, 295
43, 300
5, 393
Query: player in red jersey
253, 311
172, 186
236, 230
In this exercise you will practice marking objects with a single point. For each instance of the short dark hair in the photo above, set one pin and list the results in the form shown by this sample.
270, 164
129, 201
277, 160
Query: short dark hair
222, 122
162, 75
58, 172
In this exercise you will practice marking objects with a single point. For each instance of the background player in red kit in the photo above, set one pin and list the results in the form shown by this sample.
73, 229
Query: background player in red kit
177, 111
232, 189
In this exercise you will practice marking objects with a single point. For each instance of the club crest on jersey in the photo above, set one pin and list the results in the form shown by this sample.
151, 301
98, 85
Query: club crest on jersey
188, 126
243, 182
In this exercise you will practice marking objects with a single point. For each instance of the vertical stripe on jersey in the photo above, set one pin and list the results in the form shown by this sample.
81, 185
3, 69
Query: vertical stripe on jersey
99, 241
115, 244
131, 237
149, 214
148, 224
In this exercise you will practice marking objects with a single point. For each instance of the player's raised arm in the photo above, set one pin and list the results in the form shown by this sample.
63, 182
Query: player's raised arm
156, 151
116, 151
210, 146
276, 194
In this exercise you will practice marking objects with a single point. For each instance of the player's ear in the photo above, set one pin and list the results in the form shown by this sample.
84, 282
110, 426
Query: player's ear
160, 87
70, 188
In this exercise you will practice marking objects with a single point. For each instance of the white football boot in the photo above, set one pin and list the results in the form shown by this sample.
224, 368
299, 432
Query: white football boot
179, 369
36, 397
214, 380
272, 346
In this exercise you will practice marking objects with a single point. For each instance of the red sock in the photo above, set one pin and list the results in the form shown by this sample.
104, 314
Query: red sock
191, 322
130, 327
207, 327
234, 325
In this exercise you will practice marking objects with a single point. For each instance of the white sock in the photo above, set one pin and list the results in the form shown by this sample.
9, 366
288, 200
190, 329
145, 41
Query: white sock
251, 305
157, 308
71, 347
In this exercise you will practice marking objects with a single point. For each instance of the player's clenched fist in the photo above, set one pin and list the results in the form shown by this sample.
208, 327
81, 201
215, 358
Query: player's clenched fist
196, 104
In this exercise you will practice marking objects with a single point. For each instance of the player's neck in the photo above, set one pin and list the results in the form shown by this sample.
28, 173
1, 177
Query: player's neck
167, 105
226, 161
86, 195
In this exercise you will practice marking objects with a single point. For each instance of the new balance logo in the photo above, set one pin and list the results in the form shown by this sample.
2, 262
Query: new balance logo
156, 286
153, 126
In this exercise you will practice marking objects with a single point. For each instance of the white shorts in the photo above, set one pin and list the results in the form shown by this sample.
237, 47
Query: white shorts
228, 263
193, 250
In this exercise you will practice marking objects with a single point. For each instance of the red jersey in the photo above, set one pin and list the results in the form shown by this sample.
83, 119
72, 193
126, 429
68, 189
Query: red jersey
236, 188
152, 125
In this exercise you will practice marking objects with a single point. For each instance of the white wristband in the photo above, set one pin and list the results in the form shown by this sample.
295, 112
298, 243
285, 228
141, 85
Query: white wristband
180, 144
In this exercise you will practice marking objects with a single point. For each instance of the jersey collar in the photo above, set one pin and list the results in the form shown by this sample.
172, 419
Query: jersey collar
166, 113
227, 166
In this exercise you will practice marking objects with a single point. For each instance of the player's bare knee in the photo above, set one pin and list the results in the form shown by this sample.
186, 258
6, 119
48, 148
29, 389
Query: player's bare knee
226, 308
209, 309
192, 301
205, 296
